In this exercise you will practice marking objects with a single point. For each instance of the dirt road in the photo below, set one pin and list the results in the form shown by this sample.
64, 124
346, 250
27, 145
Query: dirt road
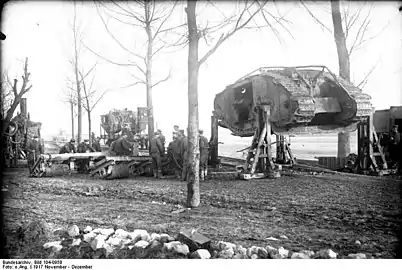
312, 211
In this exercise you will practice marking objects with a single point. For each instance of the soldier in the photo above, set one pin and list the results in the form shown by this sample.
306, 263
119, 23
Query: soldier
68, 147
162, 138
123, 146
96, 145
395, 139
204, 146
157, 151
84, 147
34, 150
175, 155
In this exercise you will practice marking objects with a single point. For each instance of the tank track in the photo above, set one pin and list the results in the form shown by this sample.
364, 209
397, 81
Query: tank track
298, 82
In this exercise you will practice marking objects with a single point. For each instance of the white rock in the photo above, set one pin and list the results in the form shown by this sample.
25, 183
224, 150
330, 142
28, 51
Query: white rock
326, 254
113, 241
137, 235
283, 237
254, 256
310, 253
105, 232
109, 249
252, 250
201, 254
164, 238
270, 248
88, 237
98, 242
299, 255
169, 246
51, 244
241, 250
227, 253
76, 242
73, 231
357, 256
88, 229
155, 236
181, 249
126, 241
226, 245
141, 244
130, 247
283, 253
119, 233
358, 243
57, 248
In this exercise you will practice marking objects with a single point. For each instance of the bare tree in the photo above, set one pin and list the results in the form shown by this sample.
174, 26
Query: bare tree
350, 34
91, 99
6, 93
243, 18
17, 94
70, 97
350, 30
152, 18
75, 63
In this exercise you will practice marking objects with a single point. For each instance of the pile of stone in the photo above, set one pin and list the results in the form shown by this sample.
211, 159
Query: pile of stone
109, 243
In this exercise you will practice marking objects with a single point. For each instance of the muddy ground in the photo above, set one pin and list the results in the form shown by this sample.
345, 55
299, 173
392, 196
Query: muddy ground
312, 211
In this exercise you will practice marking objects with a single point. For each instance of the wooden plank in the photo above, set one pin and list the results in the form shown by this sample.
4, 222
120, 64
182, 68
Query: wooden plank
256, 157
128, 158
269, 163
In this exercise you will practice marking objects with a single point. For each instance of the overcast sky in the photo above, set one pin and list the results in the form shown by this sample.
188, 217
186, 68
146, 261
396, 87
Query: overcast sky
41, 31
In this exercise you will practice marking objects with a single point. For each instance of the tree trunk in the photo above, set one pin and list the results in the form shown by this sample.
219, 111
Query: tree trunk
89, 128
344, 69
72, 119
79, 105
148, 75
340, 40
77, 81
193, 158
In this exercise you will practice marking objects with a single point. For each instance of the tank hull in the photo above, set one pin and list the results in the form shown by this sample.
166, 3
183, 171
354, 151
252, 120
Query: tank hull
302, 100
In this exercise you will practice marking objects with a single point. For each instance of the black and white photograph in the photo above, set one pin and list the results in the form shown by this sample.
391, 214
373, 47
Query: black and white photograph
242, 129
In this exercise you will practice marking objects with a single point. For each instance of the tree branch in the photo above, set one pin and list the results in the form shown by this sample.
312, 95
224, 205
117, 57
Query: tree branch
108, 60
237, 27
115, 39
163, 80
363, 83
131, 14
99, 99
315, 18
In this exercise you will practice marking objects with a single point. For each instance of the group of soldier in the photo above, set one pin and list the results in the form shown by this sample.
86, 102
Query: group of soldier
129, 144
83, 147
177, 153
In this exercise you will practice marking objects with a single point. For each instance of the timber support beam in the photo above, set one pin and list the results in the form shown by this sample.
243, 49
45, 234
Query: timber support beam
259, 162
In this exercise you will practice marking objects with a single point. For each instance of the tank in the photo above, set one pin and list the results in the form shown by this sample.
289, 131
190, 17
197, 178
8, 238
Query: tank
304, 99
117, 122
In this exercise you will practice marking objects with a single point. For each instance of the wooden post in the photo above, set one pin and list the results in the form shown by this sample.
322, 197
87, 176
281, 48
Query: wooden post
280, 149
257, 154
213, 143
269, 166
